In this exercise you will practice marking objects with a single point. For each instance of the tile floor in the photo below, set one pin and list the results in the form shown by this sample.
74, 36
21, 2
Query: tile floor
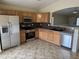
38, 49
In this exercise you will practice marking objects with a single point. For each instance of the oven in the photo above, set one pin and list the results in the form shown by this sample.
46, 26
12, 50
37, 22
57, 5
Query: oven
30, 34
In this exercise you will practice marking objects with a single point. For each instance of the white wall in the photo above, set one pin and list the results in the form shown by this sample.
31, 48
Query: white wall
60, 4
16, 8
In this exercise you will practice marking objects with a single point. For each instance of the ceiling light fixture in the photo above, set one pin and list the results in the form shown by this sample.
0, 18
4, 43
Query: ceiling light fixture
75, 12
38, 0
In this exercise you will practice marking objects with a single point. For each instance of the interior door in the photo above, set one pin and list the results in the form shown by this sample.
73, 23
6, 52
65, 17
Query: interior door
14, 30
5, 37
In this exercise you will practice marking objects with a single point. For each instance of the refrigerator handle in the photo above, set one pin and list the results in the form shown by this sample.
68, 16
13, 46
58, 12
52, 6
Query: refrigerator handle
10, 26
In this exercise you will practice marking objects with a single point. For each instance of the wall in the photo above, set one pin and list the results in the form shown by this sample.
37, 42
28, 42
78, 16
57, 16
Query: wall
9, 7
60, 20
73, 19
60, 4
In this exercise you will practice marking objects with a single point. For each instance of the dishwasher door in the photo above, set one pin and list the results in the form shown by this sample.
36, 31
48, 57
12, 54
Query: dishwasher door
66, 40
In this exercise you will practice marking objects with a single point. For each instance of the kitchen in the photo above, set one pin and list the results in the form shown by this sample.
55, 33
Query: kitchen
27, 30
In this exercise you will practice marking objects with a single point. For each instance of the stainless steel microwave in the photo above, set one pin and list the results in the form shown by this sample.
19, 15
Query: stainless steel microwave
27, 19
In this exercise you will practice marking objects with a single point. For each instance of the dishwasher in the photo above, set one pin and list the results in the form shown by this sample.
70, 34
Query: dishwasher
66, 40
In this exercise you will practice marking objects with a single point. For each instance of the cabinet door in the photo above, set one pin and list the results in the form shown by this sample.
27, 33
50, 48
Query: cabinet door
40, 34
11, 12
43, 34
38, 17
57, 38
33, 17
42, 17
22, 37
50, 36
46, 17
36, 33
20, 14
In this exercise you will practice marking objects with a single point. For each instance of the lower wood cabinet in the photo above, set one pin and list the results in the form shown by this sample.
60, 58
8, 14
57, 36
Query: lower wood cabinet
57, 37
36, 33
42, 34
22, 36
50, 36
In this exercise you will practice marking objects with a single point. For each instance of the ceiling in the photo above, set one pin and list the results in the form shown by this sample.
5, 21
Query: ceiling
35, 4
68, 11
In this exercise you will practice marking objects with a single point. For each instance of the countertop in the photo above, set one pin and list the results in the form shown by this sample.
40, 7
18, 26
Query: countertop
51, 28
62, 31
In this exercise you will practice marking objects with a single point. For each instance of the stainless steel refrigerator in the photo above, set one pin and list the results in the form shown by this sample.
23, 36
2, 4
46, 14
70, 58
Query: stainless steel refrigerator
9, 29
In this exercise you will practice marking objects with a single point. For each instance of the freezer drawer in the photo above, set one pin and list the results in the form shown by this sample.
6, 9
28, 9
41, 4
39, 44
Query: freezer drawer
66, 40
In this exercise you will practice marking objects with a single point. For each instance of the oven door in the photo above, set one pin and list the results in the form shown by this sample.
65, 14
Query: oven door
30, 35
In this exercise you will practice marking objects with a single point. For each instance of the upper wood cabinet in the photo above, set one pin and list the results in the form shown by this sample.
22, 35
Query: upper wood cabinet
11, 12
19, 13
7, 12
36, 17
29, 14
42, 17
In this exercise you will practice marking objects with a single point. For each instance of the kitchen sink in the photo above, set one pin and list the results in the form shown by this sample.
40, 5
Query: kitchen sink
58, 29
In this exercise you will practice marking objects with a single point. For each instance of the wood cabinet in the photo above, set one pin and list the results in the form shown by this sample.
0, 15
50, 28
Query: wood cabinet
19, 13
56, 38
34, 17
42, 34
42, 17
36, 33
22, 36
7, 12
50, 36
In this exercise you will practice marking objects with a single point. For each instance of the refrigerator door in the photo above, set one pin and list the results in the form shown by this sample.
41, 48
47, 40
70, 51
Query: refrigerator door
14, 30
5, 37
4, 29
3, 20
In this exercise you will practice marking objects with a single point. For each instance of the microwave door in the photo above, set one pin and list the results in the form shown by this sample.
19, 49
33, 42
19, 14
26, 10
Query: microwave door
5, 37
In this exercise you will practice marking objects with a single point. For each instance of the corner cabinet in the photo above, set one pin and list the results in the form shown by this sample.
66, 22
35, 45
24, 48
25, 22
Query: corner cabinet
50, 36
42, 17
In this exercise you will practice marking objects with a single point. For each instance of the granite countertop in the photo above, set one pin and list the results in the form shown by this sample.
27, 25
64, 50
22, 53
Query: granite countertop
51, 28
62, 30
